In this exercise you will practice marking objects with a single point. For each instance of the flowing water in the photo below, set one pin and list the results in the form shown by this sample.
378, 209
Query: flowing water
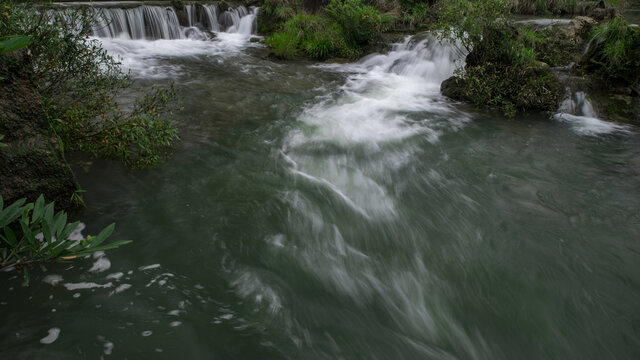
346, 212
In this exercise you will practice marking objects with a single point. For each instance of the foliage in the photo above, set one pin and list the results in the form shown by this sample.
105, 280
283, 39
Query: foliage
33, 234
416, 14
615, 54
362, 24
467, 22
312, 35
560, 7
549, 46
1, 143
502, 67
280, 9
503, 87
79, 84
283, 45
13, 42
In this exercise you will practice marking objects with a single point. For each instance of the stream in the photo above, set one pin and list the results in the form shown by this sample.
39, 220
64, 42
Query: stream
344, 211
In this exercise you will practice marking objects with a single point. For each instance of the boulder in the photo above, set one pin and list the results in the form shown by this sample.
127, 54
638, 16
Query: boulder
454, 88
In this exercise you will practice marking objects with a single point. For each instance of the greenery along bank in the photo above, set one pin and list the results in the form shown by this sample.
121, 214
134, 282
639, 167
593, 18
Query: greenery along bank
509, 65
58, 93
64, 88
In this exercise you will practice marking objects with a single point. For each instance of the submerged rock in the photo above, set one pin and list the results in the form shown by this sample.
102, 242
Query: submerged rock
32, 163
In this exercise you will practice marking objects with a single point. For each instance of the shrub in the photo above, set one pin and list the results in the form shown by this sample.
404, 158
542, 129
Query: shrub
362, 24
416, 14
283, 45
615, 53
468, 22
501, 68
312, 35
79, 84
33, 234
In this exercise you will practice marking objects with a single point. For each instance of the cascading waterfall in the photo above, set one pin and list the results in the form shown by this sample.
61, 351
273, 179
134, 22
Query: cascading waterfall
390, 98
211, 16
157, 22
239, 20
578, 111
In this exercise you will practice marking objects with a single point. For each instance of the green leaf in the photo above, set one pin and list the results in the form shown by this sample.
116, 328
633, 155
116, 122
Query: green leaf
25, 281
13, 42
104, 234
11, 213
10, 237
109, 246
68, 230
38, 209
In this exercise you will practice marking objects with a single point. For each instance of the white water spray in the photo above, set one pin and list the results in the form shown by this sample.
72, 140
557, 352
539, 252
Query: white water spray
578, 111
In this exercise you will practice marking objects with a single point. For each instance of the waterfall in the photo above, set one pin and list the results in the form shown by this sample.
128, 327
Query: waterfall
159, 22
211, 12
578, 111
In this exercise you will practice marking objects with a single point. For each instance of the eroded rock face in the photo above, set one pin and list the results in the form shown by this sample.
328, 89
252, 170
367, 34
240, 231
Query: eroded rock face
31, 164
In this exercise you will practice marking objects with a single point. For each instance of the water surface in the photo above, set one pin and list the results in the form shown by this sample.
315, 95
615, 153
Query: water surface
346, 212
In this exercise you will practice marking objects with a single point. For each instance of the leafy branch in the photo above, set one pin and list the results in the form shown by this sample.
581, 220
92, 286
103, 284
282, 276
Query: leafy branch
33, 233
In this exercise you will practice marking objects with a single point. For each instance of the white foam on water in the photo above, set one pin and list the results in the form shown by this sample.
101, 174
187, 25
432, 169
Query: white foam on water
51, 337
149, 267
144, 58
114, 276
52, 279
86, 285
121, 288
100, 265
387, 100
579, 113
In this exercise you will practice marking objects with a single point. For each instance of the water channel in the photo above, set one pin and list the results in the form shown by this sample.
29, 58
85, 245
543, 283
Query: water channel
346, 212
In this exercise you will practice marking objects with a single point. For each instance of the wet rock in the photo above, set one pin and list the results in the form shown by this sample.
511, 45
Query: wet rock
454, 88
32, 163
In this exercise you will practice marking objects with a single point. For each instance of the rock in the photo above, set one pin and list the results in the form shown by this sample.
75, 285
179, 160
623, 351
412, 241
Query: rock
577, 30
32, 163
604, 13
454, 88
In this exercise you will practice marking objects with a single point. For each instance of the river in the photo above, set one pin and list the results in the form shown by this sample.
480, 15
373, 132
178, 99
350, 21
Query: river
346, 212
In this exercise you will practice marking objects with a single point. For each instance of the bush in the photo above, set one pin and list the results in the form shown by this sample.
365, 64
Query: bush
468, 22
502, 67
615, 53
311, 35
416, 15
79, 84
362, 24
504, 87
33, 234
284, 45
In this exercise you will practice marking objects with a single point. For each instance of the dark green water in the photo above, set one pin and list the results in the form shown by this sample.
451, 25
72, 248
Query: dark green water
349, 213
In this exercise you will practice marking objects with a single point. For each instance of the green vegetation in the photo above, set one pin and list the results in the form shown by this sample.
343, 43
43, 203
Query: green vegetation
502, 67
79, 83
558, 7
615, 53
13, 43
341, 31
415, 13
32, 233
361, 24
312, 35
